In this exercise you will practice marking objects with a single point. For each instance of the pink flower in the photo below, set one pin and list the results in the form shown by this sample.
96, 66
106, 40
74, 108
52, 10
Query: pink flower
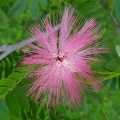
62, 58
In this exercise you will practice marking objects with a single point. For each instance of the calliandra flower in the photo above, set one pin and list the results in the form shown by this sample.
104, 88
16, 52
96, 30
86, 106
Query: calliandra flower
62, 56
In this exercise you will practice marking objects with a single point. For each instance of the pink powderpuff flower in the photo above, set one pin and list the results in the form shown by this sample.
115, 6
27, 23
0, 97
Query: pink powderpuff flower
62, 56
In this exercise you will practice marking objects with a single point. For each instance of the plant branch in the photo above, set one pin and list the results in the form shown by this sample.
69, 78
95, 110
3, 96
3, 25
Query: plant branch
7, 49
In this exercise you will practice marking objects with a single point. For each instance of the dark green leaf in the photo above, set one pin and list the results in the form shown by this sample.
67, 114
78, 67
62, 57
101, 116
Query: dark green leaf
34, 109
53, 115
34, 7
113, 83
22, 98
43, 4
3, 111
18, 8
13, 104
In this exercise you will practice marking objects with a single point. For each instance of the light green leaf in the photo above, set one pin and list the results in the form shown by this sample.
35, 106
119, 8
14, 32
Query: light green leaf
34, 7
22, 98
118, 50
43, 4
3, 111
18, 8
13, 104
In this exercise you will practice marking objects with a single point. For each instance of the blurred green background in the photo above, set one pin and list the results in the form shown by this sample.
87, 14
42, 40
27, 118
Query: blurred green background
16, 16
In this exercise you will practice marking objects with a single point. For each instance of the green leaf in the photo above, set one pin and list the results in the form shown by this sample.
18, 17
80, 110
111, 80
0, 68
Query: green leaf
107, 69
8, 83
99, 67
84, 104
116, 7
13, 104
119, 81
34, 7
40, 108
102, 32
3, 111
47, 115
112, 65
53, 115
102, 116
96, 96
113, 83
3, 2
18, 8
43, 4
118, 50
56, 3
34, 109
22, 98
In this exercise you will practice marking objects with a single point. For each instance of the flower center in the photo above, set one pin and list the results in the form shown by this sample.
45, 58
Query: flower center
60, 59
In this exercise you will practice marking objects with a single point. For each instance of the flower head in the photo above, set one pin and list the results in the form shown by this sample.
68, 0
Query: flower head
62, 55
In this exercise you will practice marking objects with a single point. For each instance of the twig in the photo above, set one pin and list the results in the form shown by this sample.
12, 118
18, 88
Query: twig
7, 49
3, 47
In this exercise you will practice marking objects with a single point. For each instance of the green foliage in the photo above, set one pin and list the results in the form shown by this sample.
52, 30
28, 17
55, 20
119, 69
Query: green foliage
2, 3
34, 7
8, 83
116, 7
102, 116
3, 111
43, 4
13, 105
15, 17
22, 98
18, 8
